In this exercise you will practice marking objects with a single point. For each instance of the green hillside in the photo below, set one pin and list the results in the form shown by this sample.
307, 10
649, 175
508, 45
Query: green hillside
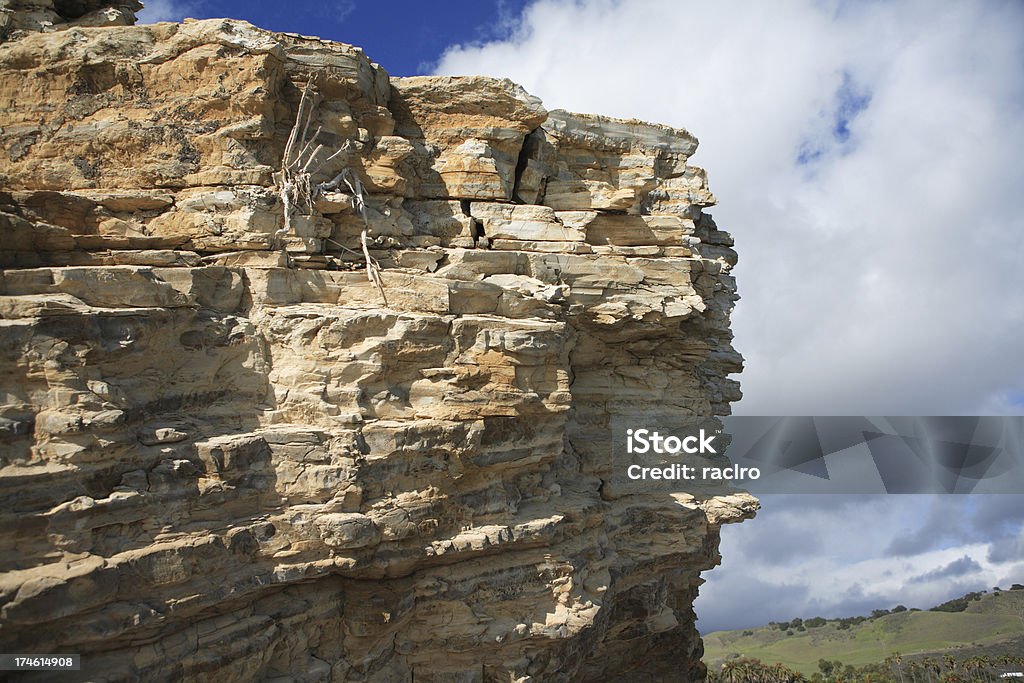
991, 622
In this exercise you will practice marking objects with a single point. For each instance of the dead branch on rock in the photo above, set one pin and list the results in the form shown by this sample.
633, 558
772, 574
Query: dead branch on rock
355, 187
298, 168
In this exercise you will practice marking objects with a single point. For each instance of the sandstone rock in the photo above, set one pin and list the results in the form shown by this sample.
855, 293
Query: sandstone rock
347, 530
537, 223
612, 164
116, 286
477, 124
631, 231
228, 455
161, 435
17, 16
442, 220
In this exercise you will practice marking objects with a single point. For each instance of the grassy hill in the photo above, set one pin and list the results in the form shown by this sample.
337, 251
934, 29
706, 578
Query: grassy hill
993, 622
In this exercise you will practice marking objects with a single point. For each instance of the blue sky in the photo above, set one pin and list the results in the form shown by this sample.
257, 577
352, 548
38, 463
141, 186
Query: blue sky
866, 157
406, 38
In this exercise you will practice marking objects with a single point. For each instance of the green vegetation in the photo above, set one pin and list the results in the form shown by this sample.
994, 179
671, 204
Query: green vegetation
894, 669
957, 604
977, 631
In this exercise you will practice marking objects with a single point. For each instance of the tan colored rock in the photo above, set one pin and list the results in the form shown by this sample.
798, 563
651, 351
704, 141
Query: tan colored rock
546, 247
523, 222
632, 231
595, 162
477, 125
228, 455
443, 221
218, 219
120, 123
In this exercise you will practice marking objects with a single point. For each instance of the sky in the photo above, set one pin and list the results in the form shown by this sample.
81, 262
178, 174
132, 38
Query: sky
866, 158
406, 38
840, 555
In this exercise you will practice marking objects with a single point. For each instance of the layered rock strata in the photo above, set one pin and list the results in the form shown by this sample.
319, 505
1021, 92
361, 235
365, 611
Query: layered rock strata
226, 455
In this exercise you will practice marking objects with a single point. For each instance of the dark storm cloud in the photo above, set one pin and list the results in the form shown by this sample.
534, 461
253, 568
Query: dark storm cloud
750, 603
1006, 550
854, 603
942, 526
788, 542
997, 512
956, 568
959, 520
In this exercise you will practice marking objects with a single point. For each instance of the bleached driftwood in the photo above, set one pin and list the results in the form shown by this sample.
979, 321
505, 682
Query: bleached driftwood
298, 168
355, 187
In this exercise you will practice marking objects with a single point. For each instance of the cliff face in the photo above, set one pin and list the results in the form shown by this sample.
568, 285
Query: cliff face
228, 454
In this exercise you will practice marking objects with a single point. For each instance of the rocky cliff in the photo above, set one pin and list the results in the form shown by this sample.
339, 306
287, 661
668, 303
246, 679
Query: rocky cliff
308, 373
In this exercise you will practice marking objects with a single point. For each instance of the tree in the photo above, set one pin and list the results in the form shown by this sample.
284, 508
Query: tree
931, 668
895, 662
826, 667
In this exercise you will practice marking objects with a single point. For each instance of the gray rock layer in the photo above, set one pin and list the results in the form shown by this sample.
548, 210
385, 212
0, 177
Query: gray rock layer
224, 455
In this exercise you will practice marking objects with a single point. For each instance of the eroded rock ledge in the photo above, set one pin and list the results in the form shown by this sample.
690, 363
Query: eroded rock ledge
224, 457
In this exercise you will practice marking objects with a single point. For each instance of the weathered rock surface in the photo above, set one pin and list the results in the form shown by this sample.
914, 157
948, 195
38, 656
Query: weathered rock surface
19, 16
223, 456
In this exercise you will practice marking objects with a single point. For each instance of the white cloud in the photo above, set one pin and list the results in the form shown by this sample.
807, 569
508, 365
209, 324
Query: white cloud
883, 275
343, 8
165, 10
